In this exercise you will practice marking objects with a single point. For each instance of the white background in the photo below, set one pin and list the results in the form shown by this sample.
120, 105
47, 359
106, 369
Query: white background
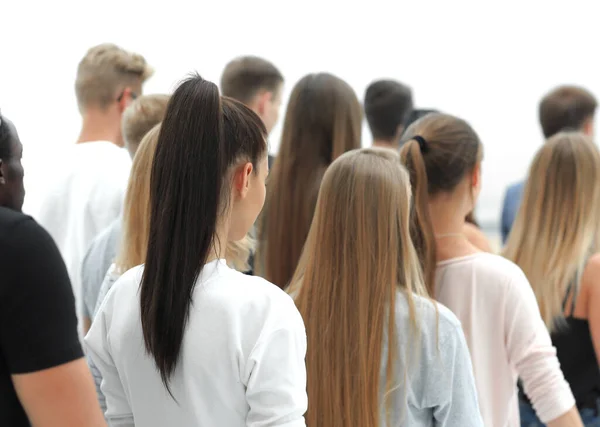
488, 62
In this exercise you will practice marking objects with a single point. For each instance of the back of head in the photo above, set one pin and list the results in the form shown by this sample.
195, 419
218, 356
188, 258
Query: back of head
12, 190
557, 225
416, 114
566, 108
244, 77
388, 105
357, 256
323, 121
439, 151
142, 115
136, 209
104, 72
201, 138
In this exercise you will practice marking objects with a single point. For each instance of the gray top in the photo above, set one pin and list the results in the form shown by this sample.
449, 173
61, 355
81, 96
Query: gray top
100, 255
439, 389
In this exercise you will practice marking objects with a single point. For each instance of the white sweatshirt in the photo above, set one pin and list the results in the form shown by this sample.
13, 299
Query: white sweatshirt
241, 363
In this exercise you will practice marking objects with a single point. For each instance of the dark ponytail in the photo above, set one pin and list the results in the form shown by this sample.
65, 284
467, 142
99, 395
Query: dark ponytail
200, 137
438, 150
421, 228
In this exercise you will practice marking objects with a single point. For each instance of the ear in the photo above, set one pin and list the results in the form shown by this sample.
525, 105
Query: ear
588, 126
476, 175
241, 179
263, 99
124, 99
2, 175
399, 132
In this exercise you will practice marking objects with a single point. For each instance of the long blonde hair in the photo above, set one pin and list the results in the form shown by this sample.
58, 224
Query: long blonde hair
556, 228
358, 254
322, 121
136, 210
136, 214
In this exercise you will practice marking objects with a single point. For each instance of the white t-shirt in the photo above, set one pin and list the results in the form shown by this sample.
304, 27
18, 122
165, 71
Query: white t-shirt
83, 195
241, 361
506, 337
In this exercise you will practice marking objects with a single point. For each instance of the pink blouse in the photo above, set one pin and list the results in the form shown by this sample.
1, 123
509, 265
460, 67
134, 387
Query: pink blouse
506, 336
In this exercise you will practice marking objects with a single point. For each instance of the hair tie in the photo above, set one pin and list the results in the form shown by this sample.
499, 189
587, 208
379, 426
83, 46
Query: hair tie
423, 145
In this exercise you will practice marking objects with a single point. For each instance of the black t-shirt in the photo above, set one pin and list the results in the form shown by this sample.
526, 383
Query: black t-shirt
38, 324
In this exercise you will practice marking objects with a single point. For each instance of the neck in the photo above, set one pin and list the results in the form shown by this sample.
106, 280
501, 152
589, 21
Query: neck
220, 245
386, 144
100, 126
448, 226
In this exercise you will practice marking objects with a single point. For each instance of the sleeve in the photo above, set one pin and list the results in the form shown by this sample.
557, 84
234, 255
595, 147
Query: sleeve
461, 408
86, 280
531, 352
98, 383
276, 375
38, 326
118, 413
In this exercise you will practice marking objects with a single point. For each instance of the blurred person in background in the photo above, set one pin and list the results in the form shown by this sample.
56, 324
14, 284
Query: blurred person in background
388, 105
323, 121
86, 191
44, 380
490, 295
139, 118
563, 108
257, 83
555, 240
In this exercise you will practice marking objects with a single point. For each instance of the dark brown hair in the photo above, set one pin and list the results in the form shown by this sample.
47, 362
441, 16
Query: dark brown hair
323, 121
244, 77
566, 108
388, 105
450, 151
201, 136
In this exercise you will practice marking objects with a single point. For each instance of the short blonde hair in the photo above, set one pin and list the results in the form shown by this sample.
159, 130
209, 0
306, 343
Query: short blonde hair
104, 70
142, 115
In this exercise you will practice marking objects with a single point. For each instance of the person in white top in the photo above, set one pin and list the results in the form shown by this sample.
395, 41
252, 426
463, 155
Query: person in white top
380, 353
86, 194
490, 295
184, 340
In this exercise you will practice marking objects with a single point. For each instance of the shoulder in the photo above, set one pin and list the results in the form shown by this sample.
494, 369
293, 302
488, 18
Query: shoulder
515, 190
23, 234
433, 318
477, 237
9, 219
498, 267
258, 298
117, 287
591, 273
256, 289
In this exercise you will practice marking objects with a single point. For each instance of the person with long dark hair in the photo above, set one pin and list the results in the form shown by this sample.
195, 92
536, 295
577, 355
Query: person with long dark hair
185, 340
322, 121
